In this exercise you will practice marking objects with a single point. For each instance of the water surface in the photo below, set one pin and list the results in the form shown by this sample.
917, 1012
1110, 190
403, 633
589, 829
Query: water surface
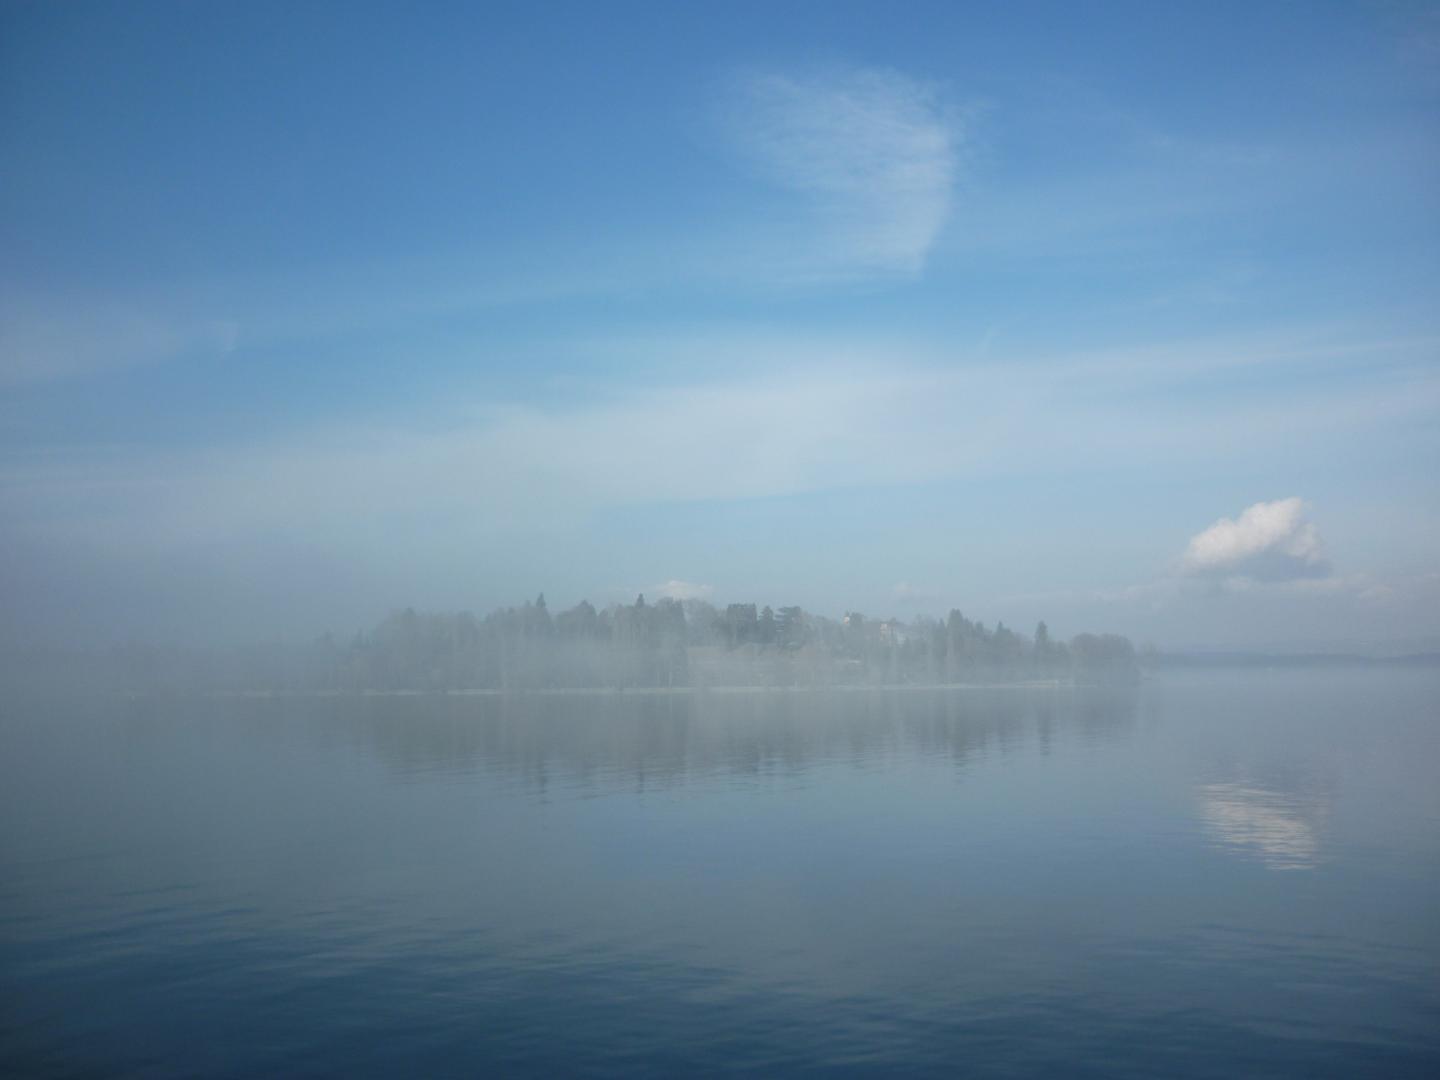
1217, 874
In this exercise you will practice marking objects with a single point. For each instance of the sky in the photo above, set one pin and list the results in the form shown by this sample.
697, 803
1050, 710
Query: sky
1123, 316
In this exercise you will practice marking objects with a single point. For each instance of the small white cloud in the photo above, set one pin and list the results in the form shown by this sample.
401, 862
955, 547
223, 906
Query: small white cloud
681, 590
1270, 542
871, 151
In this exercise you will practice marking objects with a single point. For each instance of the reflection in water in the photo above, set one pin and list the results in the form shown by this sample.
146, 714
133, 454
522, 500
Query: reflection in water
629, 742
1281, 830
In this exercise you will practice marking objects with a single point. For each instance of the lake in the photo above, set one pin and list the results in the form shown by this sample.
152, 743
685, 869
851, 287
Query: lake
1215, 874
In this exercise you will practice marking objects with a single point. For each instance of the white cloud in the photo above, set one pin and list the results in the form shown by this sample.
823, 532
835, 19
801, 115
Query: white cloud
872, 152
675, 589
1270, 541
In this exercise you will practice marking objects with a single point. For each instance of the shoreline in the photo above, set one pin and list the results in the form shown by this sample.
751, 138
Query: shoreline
650, 691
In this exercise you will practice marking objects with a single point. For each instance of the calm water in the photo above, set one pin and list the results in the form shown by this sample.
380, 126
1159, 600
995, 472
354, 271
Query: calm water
1219, 874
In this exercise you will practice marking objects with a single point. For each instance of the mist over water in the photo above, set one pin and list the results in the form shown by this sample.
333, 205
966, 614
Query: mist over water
1211, 874
979, 461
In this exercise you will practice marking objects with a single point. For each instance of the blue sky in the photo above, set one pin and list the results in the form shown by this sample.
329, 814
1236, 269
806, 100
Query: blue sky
311, 311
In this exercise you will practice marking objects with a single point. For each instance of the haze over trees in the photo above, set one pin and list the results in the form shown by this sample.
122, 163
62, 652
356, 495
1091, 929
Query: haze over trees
642, 645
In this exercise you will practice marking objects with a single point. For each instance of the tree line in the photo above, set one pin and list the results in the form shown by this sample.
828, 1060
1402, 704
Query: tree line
672, 643
643, 645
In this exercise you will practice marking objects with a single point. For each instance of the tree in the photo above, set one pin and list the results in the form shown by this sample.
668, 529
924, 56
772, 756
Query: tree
740, 623
765, 629
1105, 657
790, 628
641, 644
539, 618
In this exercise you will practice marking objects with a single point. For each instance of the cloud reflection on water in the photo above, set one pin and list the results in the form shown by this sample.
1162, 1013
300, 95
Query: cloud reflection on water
1282, 830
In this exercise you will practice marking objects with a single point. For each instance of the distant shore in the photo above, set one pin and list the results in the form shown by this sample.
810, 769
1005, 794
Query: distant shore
652, 691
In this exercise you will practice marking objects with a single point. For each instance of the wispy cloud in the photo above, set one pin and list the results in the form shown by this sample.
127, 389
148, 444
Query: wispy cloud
878, 419
48, 338
872, 154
